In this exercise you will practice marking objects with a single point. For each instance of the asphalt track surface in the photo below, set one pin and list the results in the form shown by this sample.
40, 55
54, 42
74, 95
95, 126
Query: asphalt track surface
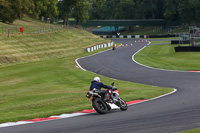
173, 113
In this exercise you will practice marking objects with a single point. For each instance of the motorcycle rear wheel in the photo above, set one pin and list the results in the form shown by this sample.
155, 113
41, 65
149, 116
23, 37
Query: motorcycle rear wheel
99, 106
122, 104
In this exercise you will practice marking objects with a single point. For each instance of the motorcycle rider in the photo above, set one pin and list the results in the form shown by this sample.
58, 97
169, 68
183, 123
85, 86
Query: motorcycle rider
96, 83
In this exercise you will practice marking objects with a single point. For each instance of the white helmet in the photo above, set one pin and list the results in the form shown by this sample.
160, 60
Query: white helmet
97, 79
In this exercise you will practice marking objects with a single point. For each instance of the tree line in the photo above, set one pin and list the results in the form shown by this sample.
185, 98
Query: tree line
185, 11
11, 10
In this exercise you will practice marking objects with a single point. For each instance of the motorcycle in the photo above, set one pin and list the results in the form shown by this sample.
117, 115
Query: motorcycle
114, 47
102, 106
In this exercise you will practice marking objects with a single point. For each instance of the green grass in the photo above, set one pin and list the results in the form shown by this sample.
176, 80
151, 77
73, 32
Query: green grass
165, 57
25, 48
192, 131
55, 86
39, 76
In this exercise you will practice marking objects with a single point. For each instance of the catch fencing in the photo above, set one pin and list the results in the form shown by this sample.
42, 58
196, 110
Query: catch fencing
7, 29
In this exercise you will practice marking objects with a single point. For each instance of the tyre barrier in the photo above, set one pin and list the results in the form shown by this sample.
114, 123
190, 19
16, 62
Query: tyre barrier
180, 41
187, 49
125, 36
91, 49
138, 36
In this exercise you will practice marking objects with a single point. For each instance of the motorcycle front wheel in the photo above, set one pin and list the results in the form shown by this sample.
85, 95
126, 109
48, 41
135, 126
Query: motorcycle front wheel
99, 106
122, 104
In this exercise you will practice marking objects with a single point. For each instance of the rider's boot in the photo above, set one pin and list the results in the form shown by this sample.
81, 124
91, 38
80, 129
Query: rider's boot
106, 99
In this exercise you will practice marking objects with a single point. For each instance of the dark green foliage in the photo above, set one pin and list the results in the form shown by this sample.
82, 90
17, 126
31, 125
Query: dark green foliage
10, 10
46, 9
79, 9
186, 11
7, 14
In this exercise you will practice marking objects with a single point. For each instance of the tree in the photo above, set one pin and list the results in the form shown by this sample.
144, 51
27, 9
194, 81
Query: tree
124, 9
51, 9
186, 12
171, 10
38, 7
13, 9
45, 8
64, 8
129, 9
7, 14
82, 7
22, 7
195, 4
107, 8
149, 9
80, 10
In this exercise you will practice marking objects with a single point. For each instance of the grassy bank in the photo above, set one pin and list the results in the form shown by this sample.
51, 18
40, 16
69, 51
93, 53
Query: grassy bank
29, 25
165, 57
39, 76
25, 48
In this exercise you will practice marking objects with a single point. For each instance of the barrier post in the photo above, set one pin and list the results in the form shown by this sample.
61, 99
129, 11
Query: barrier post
8, 32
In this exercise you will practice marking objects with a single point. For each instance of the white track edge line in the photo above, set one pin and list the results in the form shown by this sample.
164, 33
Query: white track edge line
174, 90
87, 56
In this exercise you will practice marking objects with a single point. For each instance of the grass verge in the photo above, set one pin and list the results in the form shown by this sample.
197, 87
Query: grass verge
192, 131
165, 57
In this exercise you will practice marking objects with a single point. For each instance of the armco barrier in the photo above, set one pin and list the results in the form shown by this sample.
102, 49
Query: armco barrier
91, 49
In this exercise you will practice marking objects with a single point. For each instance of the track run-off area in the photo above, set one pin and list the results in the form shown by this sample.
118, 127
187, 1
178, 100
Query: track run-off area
176, 112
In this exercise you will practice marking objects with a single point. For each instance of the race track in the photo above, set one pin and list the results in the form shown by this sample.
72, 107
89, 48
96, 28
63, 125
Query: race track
176, 112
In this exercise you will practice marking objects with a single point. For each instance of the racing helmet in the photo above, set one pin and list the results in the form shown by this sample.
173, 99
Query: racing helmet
97, 79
